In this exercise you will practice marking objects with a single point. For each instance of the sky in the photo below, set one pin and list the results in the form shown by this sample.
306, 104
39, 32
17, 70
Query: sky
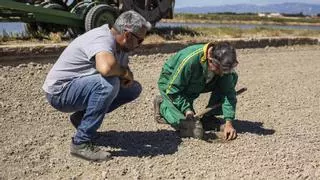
192, 3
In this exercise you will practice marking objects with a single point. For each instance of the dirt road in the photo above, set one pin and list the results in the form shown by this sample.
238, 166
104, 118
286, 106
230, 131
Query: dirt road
278, 126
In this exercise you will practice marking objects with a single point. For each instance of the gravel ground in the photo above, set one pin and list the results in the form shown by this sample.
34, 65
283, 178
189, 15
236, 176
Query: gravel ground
277, 124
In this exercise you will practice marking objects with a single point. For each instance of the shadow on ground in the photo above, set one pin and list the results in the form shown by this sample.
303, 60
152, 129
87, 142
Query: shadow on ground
215, 134
246, 126
141, 143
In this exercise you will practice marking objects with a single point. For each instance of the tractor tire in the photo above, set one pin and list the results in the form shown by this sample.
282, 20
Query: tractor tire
99, 15
81, 9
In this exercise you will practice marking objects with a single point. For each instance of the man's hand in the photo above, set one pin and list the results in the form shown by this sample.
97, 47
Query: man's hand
189, 114
127, 79
229, 132
128, 75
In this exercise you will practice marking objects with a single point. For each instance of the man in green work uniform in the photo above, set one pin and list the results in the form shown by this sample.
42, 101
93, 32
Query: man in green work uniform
198, 69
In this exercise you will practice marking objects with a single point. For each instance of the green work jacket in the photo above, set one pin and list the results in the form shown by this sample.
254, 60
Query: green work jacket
183, 78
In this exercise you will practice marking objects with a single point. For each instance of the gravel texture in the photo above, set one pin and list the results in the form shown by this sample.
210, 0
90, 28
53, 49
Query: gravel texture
278, 126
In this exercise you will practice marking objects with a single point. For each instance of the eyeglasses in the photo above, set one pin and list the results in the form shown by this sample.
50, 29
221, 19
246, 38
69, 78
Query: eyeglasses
140, 40
218, 65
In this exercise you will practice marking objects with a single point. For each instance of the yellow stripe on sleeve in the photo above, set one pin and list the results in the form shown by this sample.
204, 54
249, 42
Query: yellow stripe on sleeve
184, 61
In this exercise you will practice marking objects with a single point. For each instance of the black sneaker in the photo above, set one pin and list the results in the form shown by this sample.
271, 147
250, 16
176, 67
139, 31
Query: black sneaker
156, 110
191, 128
76, 118
211, 123
90, 152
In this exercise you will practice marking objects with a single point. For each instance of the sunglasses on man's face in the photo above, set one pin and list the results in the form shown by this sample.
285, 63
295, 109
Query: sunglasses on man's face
218, 65
139, 39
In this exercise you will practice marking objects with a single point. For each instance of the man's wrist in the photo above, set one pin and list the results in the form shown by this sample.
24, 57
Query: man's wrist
229, 123
188, 111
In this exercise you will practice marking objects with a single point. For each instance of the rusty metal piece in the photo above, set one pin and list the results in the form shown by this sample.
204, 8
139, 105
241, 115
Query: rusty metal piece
208, 109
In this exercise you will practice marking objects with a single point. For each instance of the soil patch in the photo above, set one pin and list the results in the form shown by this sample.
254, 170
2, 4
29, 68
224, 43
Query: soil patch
278, 125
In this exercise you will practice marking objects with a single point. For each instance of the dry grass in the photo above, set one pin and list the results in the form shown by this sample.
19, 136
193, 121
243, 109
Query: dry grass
161, 35
55, 37
223, 32
154, 38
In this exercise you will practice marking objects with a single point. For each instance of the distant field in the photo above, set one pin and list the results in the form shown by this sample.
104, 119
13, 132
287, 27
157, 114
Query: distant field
245, 18
207, 33
161, 35
188, 33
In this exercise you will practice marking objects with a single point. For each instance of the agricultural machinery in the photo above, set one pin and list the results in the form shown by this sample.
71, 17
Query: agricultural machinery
79, 16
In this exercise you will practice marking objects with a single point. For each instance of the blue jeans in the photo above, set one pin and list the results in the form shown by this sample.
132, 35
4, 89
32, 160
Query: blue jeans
95, 95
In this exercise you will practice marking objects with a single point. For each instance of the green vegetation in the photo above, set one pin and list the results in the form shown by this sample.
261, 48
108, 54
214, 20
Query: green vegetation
160, 35
204, 33
255, 32
248, 17
32, 35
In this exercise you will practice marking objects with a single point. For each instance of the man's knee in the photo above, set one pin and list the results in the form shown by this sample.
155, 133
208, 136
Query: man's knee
106, 89
172, 115
110, 85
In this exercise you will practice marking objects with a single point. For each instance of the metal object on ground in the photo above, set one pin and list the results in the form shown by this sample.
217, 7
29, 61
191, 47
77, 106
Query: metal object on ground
191, 128
199, 133
208, 109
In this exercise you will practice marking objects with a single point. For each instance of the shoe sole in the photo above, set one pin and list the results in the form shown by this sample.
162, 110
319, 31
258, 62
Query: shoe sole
156, 108
84, 158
